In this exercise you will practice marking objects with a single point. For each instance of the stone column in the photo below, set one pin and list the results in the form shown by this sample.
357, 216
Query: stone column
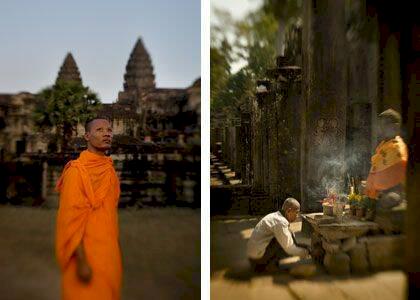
261, 133
44, 191
363, 66
410, 53
257, 158
290, 141
225, 147
238, 148
245, 136
325, 96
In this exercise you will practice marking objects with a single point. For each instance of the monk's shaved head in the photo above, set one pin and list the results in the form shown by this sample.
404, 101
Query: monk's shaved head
89, 122
98, 135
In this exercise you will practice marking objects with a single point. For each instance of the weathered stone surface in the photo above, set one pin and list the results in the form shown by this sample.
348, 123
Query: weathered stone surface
358, 259
303, 270
331, 230
315, 239
385, 252
331, 247
307, 228
337, 263
317, 252
349, 244
318, 218
345, 230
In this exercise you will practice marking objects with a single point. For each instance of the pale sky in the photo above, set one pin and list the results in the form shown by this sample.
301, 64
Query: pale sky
35, 36
238, 9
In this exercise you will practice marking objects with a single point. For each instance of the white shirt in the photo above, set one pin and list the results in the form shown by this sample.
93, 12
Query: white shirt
273, 225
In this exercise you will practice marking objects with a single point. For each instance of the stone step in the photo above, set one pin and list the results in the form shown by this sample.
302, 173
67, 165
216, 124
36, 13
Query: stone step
230, 175
235, 181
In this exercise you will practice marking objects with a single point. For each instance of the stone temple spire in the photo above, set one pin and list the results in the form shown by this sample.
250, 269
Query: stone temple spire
69, 70
139, 76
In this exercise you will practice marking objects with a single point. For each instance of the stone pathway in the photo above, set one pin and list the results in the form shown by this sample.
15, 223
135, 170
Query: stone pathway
231, 278
161, 254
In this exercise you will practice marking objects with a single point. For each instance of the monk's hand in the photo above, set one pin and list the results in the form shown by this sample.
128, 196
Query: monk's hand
84, 271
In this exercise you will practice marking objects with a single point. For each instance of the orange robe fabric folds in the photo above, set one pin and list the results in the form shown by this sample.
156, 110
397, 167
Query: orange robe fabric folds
388, 167
89, 193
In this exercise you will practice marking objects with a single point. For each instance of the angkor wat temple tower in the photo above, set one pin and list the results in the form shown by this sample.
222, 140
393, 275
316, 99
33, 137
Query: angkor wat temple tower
69, 70
139, 77
158, 109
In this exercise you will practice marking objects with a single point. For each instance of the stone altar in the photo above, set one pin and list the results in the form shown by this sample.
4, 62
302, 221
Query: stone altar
353, 246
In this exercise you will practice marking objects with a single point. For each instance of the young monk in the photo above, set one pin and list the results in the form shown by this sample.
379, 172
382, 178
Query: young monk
87, 246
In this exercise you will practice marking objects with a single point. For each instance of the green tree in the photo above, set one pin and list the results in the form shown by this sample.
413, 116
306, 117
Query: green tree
255, 41
219, 71
62, 106
221, 57
239, 89
252, 42
286, 12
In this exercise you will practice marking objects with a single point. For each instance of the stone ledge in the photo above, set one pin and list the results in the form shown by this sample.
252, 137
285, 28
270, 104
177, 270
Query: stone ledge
385, 252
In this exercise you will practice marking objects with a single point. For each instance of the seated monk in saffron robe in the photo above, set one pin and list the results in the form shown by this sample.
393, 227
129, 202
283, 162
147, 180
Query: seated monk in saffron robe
87, 246
387, 173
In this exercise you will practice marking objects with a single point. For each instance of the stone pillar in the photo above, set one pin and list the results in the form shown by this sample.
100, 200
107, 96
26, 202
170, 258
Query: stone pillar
291, 110
363, 66
44, 191
410, 54
257, 157
245, 136
325, 95
272, 156
262, 139
238, 148
225, 147
265, 142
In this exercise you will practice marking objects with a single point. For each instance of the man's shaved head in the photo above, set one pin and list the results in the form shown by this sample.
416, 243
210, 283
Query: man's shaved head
88, 123
98, 135
290, 203
290, 209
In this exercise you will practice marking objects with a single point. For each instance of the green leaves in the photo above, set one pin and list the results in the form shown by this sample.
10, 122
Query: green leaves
249, 42
63, 106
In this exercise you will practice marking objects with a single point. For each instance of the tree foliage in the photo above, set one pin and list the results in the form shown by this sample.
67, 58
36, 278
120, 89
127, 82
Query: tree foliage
62, 106
250, 41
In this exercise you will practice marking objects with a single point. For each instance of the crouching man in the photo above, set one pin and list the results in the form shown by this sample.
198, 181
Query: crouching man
272, 239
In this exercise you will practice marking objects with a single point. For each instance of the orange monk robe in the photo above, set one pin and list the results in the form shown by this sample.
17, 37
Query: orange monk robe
89, 193
388, 167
